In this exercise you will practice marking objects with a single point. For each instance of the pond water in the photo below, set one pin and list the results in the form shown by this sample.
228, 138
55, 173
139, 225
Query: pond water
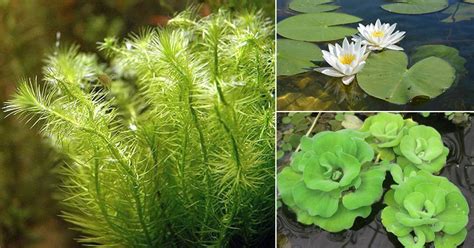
314, 91
369, 232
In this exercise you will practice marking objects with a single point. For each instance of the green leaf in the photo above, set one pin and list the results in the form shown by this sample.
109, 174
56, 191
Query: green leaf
287, 179
397, 174
317, 26
410, 241
390, 222
449, 54
368, 192
342, 219
450, 241
295, 56
386, 76
316, 202
455, 215
312, 6
413, 7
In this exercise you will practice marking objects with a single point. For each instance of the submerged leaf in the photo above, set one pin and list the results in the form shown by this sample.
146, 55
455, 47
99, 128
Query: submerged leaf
317, 26
413, 7
459, 12
386, 76
295, 56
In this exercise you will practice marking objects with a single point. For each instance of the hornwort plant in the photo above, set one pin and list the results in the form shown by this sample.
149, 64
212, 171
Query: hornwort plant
171, 144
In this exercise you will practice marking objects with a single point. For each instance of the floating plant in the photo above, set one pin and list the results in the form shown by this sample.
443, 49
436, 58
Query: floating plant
414, 7
338, 176
346, 60
312, 6
295, 56
332, 180
424, 209
317, 26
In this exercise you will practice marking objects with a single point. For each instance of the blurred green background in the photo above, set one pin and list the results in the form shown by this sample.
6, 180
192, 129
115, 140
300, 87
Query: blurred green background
29, 30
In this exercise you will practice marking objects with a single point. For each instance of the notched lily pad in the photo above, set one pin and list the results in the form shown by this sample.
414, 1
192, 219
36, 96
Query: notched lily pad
295, 56
312, 6
415, 7
386, 76
317, 27
450, 54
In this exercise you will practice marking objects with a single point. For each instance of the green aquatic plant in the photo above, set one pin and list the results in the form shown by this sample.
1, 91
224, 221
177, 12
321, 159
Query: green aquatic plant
312, 6
385, 76
449, 54
386, 131
426, 208
172, 143
422, 149
317, 26
296, 56
415, 7
332, 180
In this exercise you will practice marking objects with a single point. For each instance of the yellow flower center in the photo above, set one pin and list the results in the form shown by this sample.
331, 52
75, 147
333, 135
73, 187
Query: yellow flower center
347, 59
378, 34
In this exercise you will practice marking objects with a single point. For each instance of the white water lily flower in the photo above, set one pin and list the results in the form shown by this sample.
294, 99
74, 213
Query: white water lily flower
379, 36
346, 61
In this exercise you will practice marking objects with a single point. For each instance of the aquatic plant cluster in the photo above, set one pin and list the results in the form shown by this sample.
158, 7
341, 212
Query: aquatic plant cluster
338, 175
170, 144
373, 59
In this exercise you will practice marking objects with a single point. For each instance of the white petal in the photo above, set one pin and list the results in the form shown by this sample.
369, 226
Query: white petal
345, 44
394, 47
378, 24
348, 79
391, 29
329, 71
375, 48
359, 67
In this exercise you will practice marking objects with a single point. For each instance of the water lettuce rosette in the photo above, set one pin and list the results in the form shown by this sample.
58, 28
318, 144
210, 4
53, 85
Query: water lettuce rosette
422, 149
426, 208
332, 180
385, 131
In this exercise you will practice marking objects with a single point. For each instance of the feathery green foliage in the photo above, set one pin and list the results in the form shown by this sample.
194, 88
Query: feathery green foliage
171, 145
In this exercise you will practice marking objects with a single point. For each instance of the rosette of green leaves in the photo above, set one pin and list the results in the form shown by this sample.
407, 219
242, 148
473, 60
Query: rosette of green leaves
385, 131
332, 180
422, 149
426, 208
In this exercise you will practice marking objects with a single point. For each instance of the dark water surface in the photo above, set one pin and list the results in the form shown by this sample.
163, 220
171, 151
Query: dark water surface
369, 232
314, 91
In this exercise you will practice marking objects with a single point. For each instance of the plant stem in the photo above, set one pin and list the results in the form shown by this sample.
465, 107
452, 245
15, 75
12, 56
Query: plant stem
310, 129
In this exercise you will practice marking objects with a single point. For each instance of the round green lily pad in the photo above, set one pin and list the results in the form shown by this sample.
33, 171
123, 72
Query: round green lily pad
450, 54
312, 6
295, 56
414, 7
386, 76
317, 26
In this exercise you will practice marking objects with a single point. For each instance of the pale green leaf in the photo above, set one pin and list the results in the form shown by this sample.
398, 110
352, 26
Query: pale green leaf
317, 26
386, 76
295, 56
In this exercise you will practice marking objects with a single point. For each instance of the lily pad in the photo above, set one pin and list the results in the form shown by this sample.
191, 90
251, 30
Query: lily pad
415, 7
459, 12
295, 56
450, 54
386, 76
312, 6
317, 27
